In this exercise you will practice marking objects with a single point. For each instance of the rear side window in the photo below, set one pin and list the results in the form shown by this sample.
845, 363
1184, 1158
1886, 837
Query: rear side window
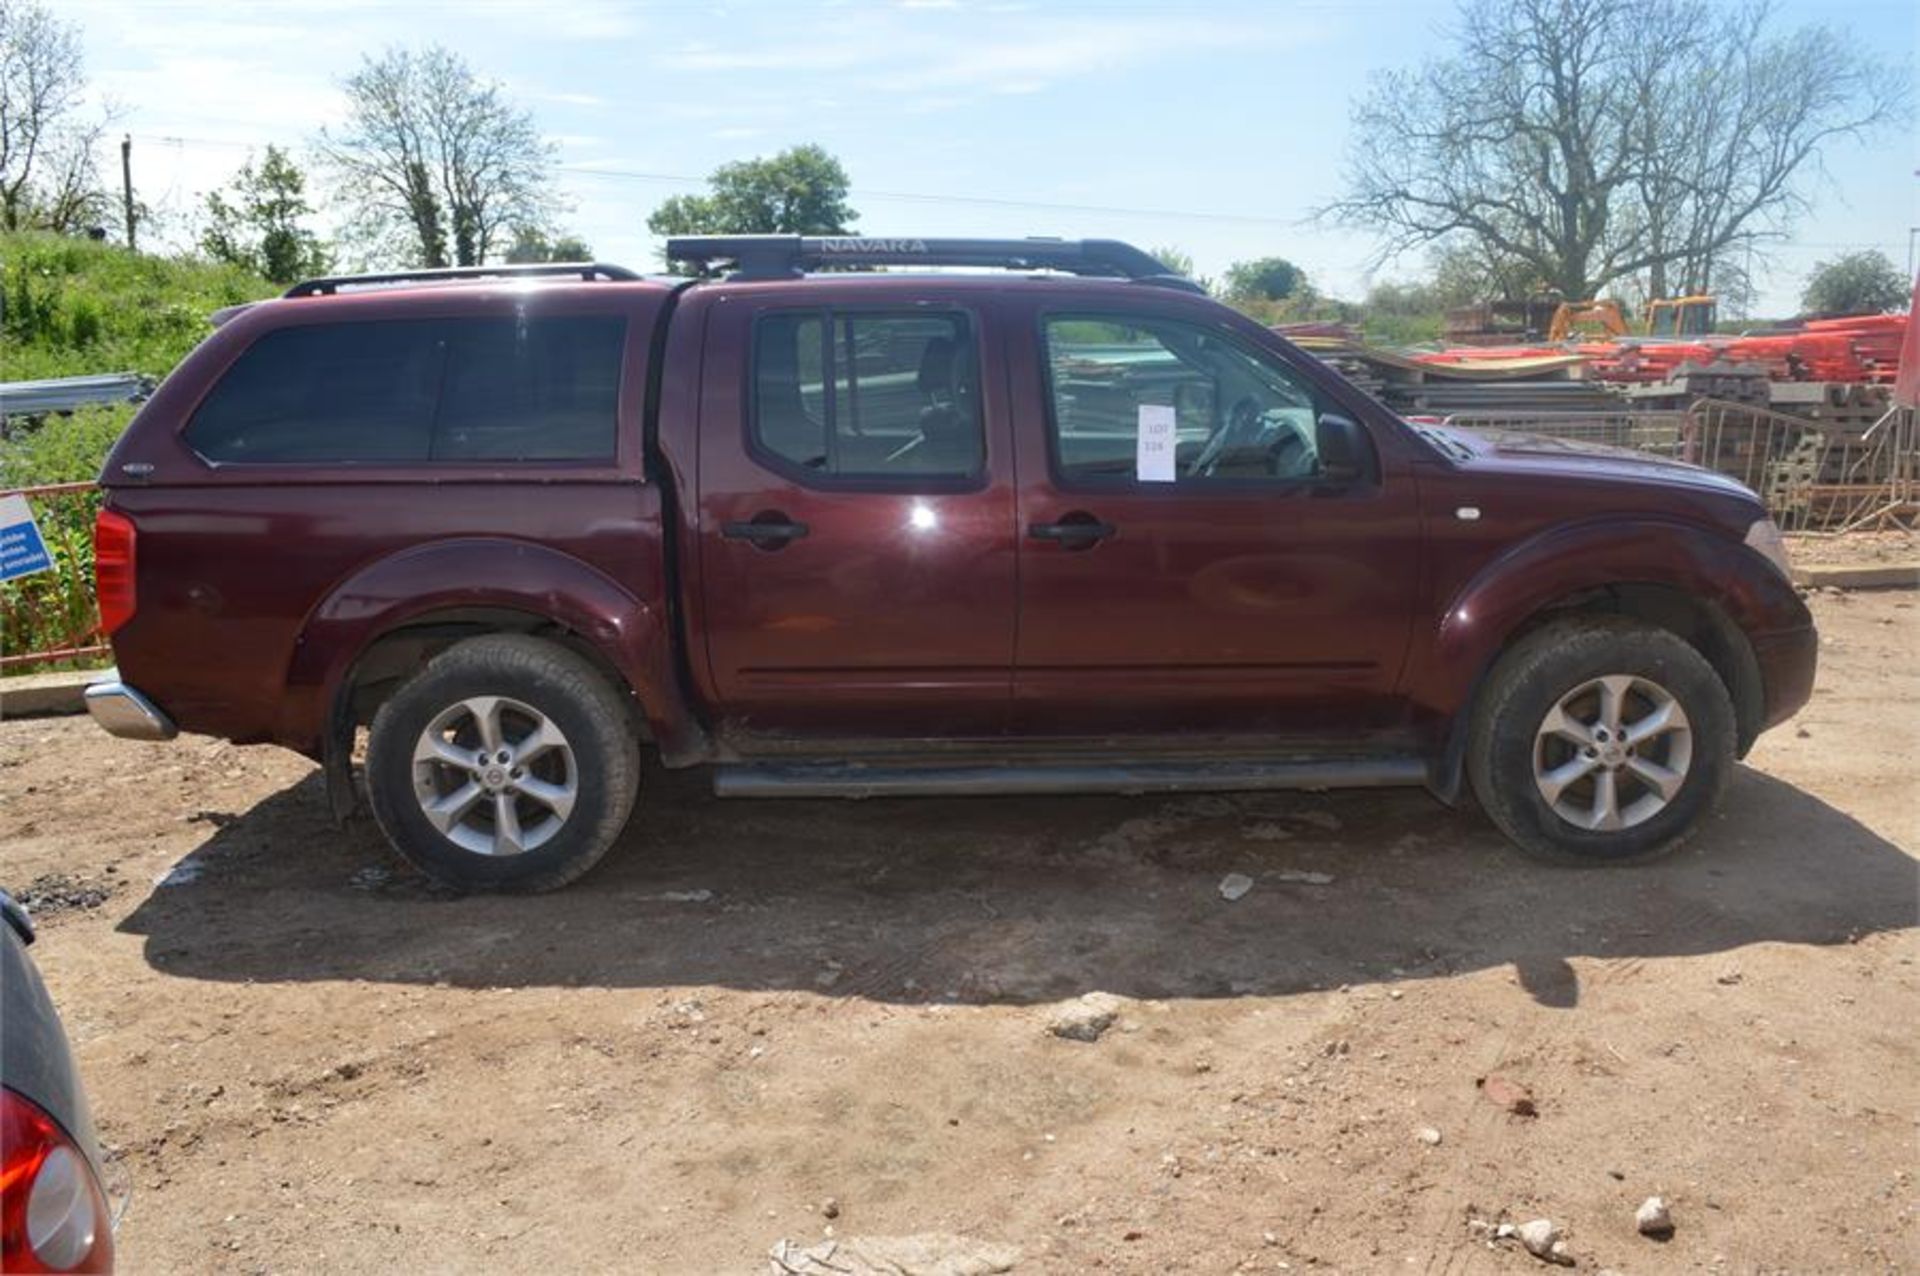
867, 395
510, 389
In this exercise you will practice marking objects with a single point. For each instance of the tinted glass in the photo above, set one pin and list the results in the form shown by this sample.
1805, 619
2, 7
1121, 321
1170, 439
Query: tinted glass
539, 390
868, 396
336, 392
1237, 414
405, 390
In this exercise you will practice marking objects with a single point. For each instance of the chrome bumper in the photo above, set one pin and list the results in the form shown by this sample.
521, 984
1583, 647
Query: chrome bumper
122, 711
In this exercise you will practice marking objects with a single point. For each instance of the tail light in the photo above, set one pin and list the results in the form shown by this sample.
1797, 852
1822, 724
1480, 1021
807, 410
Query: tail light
113, 538
53, 1215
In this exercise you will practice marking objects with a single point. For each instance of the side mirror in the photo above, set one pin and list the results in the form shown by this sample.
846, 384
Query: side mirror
1342, 446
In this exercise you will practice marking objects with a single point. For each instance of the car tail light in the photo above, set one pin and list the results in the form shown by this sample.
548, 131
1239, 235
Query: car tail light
113, 538
53, 1215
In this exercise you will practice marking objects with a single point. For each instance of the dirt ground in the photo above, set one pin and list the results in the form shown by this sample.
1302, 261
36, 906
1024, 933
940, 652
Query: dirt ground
756, 1016
1894, 547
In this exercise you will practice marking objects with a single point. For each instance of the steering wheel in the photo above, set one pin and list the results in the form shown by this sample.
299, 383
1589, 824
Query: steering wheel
1245, 417
1284, 456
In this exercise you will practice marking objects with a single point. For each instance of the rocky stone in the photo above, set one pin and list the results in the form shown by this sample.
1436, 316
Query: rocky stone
1234, 885
1541, 1237
1509, 1094
1085, 1017
1301, 875
1429, 1136
928, 1254
1654, 1218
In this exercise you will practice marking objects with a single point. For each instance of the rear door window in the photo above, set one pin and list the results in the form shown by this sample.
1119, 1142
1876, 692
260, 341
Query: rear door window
867, 396
403, 391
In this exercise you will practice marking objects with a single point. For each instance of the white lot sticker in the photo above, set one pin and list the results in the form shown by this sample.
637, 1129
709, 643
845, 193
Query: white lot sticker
1153, 463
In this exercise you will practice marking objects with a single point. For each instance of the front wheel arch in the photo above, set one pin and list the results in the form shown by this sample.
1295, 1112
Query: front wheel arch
1527, 711
1699, 622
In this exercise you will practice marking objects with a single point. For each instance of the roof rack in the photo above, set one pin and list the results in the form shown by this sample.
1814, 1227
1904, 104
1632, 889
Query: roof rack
327, 285
787, 256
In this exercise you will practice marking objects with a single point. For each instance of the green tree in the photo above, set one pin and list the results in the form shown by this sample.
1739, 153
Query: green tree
800, 191
435, 165
1180, 262
255, 223
1267, 279
1863, 283
532, 245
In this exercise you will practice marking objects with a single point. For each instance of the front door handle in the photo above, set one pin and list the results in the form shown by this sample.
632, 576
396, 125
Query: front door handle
769, 529
1078, 530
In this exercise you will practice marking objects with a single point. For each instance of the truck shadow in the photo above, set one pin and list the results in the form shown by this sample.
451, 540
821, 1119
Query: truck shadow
1024, 899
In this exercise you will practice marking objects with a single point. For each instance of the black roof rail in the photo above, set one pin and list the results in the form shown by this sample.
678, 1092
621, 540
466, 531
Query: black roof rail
327, 285
787, 256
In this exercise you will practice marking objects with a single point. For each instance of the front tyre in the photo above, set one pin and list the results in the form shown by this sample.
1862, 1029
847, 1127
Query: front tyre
508, 764
1598, 739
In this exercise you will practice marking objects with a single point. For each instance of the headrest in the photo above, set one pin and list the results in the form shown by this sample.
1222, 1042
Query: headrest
936, 366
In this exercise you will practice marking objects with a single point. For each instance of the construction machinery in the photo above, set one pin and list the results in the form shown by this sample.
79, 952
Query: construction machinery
1587, 318
1666, 317
1548, 317
1681, 316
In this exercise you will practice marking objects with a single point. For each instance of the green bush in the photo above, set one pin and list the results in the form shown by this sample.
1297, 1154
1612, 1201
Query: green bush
63, 449
54, 609
69, 307
72, 307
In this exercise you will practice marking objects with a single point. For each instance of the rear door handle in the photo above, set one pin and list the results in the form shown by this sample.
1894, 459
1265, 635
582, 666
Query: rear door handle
767, 530
1072, 531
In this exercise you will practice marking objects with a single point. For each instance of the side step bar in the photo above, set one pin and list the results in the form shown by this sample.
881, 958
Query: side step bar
862, 780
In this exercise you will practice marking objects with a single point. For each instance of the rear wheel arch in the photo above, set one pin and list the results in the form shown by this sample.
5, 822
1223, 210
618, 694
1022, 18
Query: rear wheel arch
399, 652
541, 810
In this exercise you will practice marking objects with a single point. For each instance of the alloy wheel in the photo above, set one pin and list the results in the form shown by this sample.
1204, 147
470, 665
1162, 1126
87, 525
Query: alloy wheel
1612, 753
495, 776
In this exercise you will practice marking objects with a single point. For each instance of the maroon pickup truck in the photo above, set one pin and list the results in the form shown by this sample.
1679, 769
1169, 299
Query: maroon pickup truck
1064, 526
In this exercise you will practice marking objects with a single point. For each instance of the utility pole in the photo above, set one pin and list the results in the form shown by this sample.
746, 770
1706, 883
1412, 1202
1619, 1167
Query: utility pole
126, 183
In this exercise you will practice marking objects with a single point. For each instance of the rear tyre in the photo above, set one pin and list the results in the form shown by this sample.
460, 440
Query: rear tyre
507, 764
1598, 739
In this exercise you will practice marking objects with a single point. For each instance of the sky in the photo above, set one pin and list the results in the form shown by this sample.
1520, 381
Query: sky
1212, 127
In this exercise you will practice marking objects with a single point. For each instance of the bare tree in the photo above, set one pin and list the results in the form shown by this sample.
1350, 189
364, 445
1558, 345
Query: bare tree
48, 178
436, 165
1590, 140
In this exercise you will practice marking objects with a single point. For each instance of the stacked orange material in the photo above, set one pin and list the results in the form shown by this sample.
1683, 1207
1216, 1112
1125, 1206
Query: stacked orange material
1856, 348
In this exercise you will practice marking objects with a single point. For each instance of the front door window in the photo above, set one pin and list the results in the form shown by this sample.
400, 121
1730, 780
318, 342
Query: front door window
1226, 413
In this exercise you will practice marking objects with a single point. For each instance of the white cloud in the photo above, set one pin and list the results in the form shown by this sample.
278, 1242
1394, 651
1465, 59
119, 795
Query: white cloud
1010, 53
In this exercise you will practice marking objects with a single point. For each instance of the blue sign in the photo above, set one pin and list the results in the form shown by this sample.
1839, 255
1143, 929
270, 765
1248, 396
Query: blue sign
22, 552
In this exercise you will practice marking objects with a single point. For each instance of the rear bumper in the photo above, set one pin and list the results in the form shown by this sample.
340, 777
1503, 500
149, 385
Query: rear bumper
1787, 661
123, 711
